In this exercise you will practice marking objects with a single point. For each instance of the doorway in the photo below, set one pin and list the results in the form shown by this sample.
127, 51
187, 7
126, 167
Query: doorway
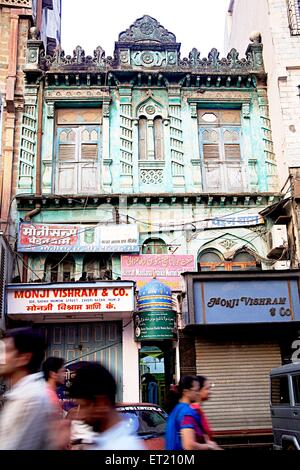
157, 370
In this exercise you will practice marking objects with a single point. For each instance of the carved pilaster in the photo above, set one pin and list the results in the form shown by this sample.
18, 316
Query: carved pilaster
34, 49
126, 138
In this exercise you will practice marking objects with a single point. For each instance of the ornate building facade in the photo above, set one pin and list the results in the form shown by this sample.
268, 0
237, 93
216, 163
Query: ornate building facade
147, 163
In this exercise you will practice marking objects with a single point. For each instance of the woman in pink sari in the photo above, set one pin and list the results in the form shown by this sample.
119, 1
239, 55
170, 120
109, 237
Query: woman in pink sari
203, 395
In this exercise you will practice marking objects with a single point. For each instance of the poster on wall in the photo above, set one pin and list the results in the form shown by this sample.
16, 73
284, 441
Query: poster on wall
78, 238
166, 268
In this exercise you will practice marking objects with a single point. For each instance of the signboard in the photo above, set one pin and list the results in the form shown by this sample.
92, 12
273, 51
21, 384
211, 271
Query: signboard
167, 268
70, 298
154, 325
246, 301
61, 238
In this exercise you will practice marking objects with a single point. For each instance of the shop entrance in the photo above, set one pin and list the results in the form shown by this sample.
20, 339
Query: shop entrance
157, 370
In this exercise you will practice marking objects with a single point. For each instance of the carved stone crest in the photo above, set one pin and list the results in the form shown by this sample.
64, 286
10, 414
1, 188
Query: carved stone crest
147, 29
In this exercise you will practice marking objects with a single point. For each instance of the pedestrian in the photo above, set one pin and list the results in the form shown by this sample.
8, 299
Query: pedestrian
25, 416
203, 395
54, 374
94, 389
183, 430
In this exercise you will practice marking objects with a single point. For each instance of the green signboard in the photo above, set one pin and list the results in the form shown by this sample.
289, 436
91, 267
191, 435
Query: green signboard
155, 325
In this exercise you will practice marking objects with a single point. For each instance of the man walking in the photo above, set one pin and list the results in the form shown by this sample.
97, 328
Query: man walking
54, 374
94, 389
24, 419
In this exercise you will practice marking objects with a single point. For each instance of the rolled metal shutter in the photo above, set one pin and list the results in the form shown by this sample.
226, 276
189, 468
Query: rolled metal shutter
240, 373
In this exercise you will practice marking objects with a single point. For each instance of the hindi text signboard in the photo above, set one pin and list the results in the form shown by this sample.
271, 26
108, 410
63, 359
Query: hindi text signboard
78, 238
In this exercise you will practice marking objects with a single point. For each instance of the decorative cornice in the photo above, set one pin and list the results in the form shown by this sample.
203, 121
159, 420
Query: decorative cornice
16, 3
75, 93
26, 202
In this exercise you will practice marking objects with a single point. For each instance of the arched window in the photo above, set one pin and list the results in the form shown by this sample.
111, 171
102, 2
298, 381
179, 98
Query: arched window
59, 268
158, 139
154, 246
142, 138
244, 260
210, 260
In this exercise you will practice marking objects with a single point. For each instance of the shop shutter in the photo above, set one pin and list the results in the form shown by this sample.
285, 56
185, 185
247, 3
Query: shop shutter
100, 342
240, 374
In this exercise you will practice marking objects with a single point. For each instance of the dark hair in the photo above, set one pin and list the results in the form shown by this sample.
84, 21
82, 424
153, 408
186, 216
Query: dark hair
186, 383
175, 392
201, 379
92, 380
52, 364
27, 340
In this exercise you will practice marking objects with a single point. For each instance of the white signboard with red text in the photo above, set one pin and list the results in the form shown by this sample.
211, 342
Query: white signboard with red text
123, 238
79, 299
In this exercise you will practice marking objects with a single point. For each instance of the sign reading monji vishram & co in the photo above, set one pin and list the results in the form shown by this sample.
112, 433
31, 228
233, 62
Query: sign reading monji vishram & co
70, 298
246, 301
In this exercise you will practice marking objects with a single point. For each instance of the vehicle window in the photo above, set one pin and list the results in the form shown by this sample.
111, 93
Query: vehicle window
150, 422
280, 390
296, 388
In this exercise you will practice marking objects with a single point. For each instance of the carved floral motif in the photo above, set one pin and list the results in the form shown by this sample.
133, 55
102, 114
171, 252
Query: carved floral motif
147, 29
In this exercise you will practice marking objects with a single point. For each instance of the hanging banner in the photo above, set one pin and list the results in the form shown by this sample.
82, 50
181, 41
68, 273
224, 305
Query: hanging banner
166, 268
78, 238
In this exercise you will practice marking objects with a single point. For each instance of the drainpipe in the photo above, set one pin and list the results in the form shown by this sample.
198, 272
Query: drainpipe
27, 218
38, 188
32, 213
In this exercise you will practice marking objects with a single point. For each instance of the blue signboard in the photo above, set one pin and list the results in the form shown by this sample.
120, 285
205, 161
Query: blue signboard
263, 301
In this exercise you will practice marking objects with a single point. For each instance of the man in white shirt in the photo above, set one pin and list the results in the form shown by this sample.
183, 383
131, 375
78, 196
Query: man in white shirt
24, 418
94, 389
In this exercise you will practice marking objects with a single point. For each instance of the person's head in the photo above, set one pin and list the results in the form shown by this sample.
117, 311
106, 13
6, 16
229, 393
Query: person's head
94, 389
188, 388
205, 387
54, 370
24, 351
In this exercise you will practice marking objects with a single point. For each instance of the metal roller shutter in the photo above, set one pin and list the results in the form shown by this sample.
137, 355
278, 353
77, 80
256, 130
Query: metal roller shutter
240, 374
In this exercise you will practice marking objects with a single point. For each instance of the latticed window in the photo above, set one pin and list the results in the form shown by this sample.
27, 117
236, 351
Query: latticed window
220, 148
294, 16
78, 151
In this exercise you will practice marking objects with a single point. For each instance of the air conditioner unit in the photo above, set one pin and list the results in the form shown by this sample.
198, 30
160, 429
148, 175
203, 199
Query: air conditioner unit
278, 240
284, 264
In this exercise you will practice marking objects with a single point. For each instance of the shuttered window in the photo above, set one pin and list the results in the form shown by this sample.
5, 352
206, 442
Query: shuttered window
220, 149
78, 151
143, 138
158, 139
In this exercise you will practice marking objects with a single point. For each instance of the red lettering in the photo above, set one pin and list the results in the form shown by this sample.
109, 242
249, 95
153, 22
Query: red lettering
119, 292
19, 294
93, 292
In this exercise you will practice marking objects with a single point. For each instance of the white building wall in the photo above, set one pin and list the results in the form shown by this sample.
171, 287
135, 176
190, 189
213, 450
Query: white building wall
282, 63
131, 380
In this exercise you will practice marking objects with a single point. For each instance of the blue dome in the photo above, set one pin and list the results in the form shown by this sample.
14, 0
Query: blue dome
155, 296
